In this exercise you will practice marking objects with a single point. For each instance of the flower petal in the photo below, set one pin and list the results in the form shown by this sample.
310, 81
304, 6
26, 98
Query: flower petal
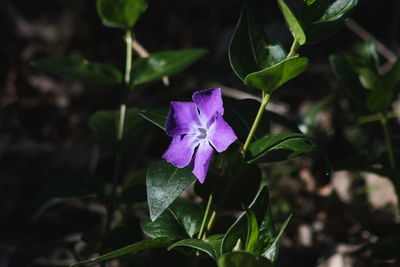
180, 151
183, 118
221, 134
209, 102
201, 160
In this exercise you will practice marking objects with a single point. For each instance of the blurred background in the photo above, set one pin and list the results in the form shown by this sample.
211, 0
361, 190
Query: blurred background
44, 130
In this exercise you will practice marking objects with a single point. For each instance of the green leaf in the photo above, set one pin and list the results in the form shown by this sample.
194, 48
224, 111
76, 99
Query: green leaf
239, 229
271, 252
279, 147
166, 225
344, 70
120, 13
164, 184
241, 113
331, 21
379, 100
105, 126
156, 116
252, 231
311, 11
211, 247
189, 215
243, 258
141, 245
273, 77
79, 68
162, 64
291, 20
248, 50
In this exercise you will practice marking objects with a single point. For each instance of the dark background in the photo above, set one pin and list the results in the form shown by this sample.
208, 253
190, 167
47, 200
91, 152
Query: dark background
44, 130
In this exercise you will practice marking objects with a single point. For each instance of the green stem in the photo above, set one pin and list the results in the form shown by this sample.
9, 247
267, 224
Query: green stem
378, 117
253, 129
293, 49
388, 141
203, 224
120, 132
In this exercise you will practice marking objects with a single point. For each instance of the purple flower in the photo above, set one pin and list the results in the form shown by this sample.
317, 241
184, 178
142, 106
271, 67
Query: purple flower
196, 127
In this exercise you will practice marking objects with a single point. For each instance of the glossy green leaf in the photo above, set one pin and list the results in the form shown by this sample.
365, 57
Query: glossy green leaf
156, 116
243, 258
331, 21
240, 115
292, 22
141, 245
212, 247
105, 126
189, 215
248, 50
162, 64
271, 252
79, 68
252, 231
273, 77
164, 184
312, 10
279, 147
239, 229
120, 13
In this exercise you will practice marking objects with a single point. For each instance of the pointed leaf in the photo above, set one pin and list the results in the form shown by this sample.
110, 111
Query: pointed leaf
273, 77
239, 229
210, 247
105, 126
331, 21
141, 245
272, 252
164, 184
311, 11
166, 225
243, 258
81, 69
156, 116
291, 20
120, 13
189, 215
252, 231
248, 50
279, 147
162, 64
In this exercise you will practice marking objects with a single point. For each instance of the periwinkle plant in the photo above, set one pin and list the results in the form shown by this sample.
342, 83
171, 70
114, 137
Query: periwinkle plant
198, 127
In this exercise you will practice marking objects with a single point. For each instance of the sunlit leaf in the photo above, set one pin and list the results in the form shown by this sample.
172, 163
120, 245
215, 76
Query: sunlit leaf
164, 184
120, 13
294, 25
273, 77
279, 147
161, 64
243, 258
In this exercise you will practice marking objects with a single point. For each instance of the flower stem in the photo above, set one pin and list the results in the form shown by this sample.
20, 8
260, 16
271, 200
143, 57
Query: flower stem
203, 223
121, 125
388, 141
253, 129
